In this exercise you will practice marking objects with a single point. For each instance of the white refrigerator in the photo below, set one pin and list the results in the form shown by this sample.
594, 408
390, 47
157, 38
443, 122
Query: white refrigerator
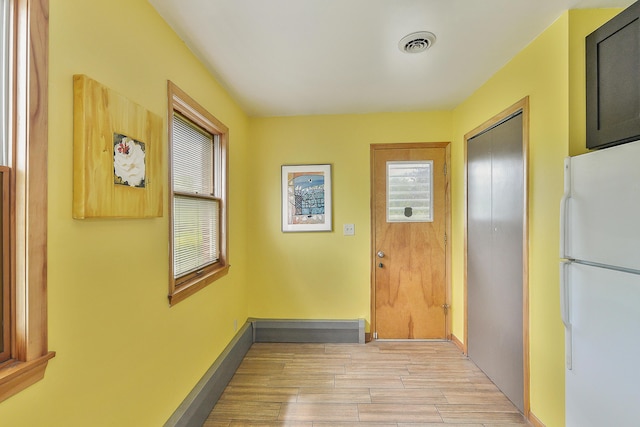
600, 287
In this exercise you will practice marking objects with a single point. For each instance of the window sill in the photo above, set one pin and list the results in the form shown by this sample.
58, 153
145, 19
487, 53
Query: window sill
16, 375
194, 286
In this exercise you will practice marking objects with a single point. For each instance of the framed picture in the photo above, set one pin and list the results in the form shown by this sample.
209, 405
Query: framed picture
117, 155
306, 198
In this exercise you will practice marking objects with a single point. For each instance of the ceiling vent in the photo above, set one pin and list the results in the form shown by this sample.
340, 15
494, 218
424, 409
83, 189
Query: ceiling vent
417, 42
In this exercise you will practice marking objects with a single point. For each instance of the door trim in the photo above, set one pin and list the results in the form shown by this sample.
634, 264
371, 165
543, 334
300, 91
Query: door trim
520, 106
447, 207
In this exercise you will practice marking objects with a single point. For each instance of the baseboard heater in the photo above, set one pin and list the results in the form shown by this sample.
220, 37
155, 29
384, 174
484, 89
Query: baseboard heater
195, 408
318, 331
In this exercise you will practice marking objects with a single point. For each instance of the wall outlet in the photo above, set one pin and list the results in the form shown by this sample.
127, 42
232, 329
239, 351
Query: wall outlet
349, 229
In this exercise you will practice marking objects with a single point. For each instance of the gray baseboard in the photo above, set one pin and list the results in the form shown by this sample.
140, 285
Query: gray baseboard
308, 331
193, 411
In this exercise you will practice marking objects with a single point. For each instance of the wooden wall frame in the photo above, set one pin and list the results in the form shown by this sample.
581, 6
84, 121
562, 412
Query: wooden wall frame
100, 118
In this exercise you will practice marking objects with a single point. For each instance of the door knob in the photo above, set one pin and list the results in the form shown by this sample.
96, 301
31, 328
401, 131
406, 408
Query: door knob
380, 254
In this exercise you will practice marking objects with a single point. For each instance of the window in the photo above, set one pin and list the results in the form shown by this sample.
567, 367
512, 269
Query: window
409, 191
5, 171
198, 199
5, 263
24, 196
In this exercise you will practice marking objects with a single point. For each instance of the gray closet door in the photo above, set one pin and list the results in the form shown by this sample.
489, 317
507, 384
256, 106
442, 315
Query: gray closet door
494, 255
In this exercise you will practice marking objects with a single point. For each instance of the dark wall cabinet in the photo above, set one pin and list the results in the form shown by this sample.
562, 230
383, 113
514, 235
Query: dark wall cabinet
613, 80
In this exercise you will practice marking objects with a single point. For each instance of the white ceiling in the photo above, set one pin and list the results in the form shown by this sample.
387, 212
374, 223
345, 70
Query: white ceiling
299, 57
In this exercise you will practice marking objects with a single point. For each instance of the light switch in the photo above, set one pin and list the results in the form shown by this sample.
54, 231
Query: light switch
349, 229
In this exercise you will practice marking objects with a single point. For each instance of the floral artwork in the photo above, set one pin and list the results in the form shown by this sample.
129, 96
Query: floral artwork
306, 198
128, 161
117, 154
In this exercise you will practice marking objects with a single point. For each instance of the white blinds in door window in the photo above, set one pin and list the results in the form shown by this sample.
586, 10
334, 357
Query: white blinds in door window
196, 210
409, 191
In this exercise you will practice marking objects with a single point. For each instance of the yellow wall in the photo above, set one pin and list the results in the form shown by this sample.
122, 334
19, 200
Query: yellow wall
124, 358
320, 275
547, 71
540, 71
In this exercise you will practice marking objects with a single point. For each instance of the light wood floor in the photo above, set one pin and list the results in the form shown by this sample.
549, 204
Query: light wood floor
379, 384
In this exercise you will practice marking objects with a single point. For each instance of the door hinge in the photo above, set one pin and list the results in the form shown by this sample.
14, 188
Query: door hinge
446, 308
375, 335
445, 169
445, 239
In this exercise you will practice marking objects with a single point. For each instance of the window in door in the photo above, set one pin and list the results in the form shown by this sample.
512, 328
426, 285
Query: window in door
409, 196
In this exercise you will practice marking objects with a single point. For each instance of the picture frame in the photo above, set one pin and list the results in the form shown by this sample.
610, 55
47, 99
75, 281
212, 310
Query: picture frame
117, 154
306, 198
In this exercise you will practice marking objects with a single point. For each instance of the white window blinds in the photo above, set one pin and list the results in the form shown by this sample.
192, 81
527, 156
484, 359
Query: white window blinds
409, 191
192, 158
196, 210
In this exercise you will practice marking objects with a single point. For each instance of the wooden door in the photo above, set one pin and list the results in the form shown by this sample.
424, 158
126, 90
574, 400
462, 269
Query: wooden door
409, 237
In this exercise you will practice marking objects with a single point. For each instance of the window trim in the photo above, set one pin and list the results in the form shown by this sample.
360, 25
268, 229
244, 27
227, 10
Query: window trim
29, 134
5, 274
183, 104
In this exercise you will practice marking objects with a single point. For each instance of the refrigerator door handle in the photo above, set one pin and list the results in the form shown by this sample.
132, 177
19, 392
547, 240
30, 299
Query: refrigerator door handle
563, 207
565, 312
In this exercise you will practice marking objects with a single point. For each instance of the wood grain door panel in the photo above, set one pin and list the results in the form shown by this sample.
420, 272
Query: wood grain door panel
410, 279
